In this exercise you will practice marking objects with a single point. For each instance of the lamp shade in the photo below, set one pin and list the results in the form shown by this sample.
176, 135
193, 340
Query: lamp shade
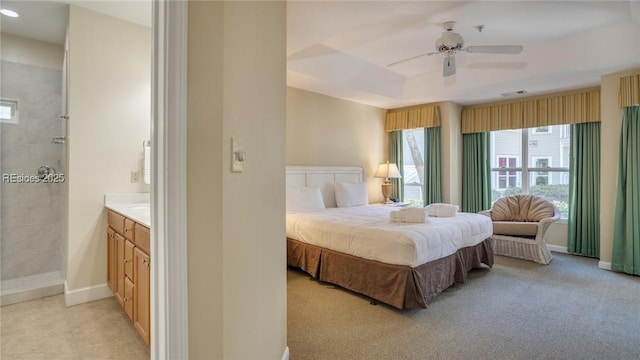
388, 171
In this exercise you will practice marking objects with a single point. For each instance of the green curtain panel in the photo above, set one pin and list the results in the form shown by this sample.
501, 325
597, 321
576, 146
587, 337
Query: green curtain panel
584, 190
476, 183
433, 167
395, 156
626, 226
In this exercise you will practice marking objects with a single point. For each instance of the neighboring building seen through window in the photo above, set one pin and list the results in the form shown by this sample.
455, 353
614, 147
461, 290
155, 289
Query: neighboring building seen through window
413, 165
507, 179
532, 161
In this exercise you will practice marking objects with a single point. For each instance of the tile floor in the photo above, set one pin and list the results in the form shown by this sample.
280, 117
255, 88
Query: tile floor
46, 329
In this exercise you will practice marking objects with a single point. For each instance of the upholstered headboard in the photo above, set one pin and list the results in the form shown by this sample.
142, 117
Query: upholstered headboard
323, 177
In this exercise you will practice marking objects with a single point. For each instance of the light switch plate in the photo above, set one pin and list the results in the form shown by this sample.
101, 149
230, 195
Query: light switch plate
236, 164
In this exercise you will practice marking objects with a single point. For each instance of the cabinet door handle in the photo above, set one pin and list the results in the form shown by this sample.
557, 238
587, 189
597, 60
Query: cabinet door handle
125, 230
126, 299
125, 261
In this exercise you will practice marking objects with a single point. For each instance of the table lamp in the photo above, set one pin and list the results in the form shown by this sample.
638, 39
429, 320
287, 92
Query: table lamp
387, 171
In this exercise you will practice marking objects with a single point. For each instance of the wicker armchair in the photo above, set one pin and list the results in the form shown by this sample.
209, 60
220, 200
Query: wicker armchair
519, 225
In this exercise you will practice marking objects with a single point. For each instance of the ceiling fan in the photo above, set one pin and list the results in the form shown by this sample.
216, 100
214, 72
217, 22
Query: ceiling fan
451, 42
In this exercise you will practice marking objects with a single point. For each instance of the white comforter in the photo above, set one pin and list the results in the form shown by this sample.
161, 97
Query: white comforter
366, 232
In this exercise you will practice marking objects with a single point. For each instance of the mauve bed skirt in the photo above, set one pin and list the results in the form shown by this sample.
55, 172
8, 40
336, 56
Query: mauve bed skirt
400, 286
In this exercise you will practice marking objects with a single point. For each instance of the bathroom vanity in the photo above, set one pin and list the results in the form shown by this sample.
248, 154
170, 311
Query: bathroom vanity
128, 260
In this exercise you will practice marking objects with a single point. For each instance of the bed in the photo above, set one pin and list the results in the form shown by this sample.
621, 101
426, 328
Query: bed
354, 245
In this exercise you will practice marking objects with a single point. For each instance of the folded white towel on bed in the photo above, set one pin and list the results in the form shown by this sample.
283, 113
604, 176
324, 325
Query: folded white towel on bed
442, 210
409, 215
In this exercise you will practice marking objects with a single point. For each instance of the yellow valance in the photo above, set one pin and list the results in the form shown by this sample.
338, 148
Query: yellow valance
422, 116
629, 91
557, 109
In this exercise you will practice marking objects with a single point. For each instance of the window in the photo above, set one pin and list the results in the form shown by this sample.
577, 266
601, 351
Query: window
542, 130
540, 177
532, 161
413, 165
9, 111
507, 178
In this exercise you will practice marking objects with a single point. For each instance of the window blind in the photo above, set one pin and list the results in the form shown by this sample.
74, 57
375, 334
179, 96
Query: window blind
422, 116
563, 108
629, 91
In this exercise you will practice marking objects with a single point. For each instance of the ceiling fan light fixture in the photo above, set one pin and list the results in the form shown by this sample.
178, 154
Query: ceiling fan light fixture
449, 41
449, 66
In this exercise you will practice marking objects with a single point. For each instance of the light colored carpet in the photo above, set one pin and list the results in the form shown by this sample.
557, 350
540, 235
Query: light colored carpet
569, 309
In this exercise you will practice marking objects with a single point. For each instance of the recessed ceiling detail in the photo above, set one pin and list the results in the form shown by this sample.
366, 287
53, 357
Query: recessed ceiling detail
566, 45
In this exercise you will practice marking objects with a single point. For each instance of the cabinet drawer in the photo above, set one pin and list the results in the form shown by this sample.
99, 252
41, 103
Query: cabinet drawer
129, 300
143, 238
116, 221
119, 268
128, 259
128, 229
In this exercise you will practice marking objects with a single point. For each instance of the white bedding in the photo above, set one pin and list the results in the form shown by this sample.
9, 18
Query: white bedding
366, 232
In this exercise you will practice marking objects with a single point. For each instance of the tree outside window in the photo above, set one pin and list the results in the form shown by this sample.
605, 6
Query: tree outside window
413, 166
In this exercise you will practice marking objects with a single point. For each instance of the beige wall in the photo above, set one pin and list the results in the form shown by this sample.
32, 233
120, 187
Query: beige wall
558, 234
610, 150
31, 52
323, 130
451, 114
109, 108
204, 179
236, 231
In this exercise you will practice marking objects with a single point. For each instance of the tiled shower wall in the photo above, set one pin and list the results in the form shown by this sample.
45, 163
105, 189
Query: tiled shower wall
31, 214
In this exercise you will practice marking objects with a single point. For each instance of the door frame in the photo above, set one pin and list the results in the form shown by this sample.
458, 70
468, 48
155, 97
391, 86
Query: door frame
169, 301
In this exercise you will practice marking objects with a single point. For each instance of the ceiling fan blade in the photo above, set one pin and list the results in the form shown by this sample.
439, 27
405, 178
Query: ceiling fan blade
411, 58
449, 66
494, 49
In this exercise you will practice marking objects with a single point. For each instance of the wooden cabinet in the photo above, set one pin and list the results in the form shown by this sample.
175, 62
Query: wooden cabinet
119, 268
129, 270
128, 229
141, 312
111, 259
129, 297
128, 259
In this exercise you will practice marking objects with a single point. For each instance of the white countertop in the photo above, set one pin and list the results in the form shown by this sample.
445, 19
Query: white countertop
135, 206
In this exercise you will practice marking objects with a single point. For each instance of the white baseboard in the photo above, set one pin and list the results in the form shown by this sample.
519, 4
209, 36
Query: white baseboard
563, 249
83, 295
285, 355
604, 265
557, 248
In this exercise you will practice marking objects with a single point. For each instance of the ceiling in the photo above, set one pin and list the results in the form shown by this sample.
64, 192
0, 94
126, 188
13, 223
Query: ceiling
342, 48
46, 20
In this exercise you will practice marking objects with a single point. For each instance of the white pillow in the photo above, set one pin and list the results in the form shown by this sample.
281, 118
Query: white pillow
348, 194
304, 199
442, 210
